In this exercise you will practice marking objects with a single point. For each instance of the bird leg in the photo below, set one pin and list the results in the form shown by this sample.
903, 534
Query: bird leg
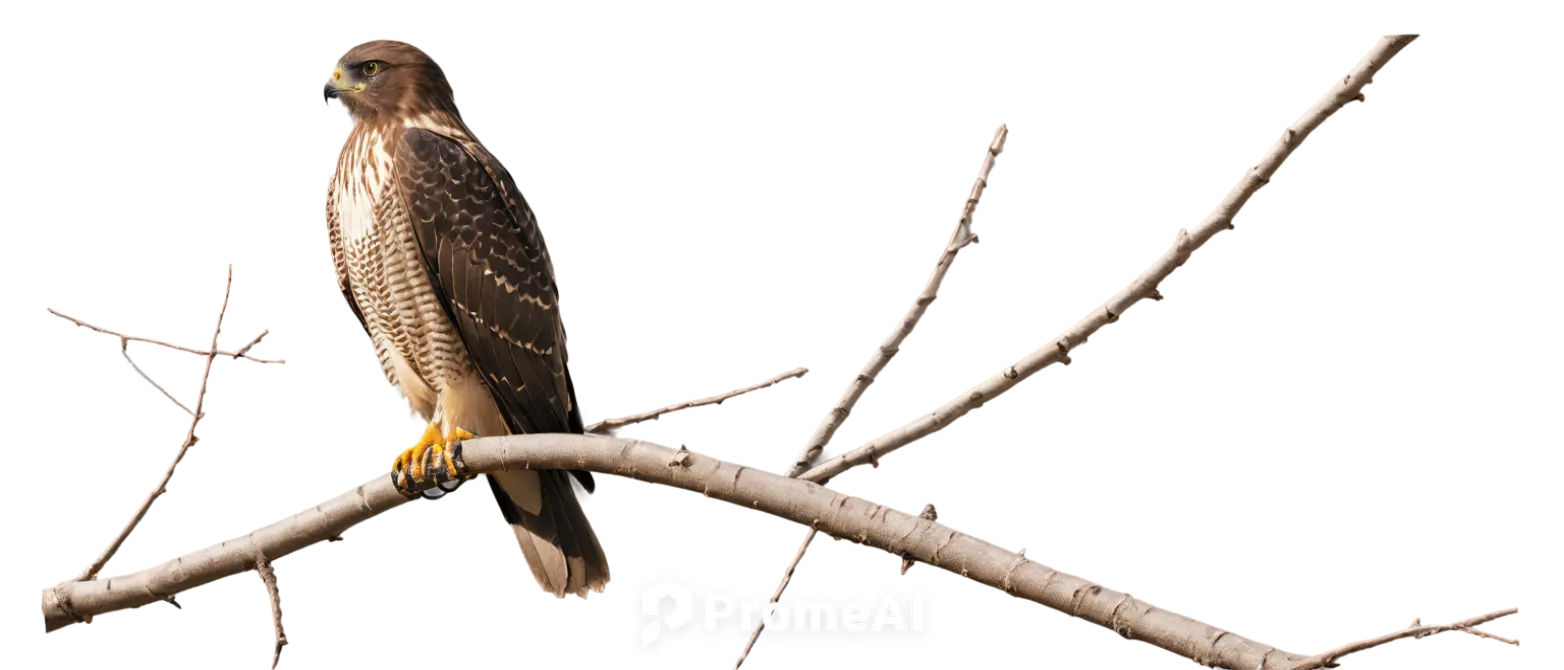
433, 467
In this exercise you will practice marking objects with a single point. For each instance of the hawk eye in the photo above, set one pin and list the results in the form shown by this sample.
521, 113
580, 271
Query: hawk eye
371, 68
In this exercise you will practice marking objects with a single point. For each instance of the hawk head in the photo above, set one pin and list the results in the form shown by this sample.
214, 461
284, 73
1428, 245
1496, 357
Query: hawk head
389, 79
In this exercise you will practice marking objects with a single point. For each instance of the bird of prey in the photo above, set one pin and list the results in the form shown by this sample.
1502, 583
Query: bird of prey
442, 261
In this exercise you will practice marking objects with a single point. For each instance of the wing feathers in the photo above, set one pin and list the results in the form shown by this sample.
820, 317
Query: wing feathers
506, 281
481, 246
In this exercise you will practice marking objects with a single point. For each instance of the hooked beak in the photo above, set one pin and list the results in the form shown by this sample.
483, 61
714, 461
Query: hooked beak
333, 85
327, 94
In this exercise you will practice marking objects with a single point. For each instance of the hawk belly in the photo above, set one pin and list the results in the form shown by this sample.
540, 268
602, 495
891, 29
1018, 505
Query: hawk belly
420, 351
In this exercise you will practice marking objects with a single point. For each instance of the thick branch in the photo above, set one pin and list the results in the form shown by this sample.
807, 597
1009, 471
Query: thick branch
1145, 286
959, 238
800, 501
797, 500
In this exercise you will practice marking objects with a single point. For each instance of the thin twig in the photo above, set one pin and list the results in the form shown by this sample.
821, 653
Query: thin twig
1490, 636
246, 353
236, 354
124, 349
1328, 659
246, 348
610, 424
1145, 286
177, 404
269, 577
124, 346
786, 578
959, 238
190, 439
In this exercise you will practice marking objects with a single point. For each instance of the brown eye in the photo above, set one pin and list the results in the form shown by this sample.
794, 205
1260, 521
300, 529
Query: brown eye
371, 68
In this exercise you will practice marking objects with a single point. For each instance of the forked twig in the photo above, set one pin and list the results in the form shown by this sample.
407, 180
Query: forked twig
235, 354
1487, 635
1416, 630
1343, 91
1144, 287
246, 348
959, 238
190, 437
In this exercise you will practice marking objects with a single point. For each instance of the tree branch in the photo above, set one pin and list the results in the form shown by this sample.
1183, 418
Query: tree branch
190, 436
797, 500
1145, 286
959, 238
610, 424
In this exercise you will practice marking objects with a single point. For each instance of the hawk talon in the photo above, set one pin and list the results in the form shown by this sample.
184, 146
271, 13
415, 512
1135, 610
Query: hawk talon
433, 467
441, 488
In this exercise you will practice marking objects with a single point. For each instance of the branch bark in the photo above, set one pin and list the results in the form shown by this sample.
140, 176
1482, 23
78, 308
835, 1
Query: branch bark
1185, 243
797, 500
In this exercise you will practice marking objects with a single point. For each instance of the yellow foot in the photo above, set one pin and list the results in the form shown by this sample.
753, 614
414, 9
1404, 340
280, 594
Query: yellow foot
433, 467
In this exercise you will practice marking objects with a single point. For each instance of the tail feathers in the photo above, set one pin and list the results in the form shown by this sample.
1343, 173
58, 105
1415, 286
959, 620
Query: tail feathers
554, 534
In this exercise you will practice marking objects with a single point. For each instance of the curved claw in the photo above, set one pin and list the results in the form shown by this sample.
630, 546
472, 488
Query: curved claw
444, 486
433, 467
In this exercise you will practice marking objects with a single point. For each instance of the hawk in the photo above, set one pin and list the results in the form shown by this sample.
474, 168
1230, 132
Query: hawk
441, 260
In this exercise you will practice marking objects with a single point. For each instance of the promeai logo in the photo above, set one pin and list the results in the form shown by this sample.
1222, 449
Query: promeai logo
803, 615
651, 606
